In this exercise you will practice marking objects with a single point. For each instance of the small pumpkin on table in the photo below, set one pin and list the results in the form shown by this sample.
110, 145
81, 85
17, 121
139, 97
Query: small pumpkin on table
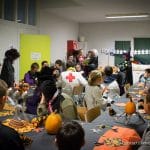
130, 107
53, 123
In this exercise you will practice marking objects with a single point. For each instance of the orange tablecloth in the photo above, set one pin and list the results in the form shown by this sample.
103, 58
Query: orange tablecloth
128, 137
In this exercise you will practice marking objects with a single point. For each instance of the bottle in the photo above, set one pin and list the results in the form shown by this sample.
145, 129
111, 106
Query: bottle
111, 111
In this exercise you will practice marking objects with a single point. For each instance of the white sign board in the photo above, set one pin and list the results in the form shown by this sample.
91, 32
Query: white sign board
35, 56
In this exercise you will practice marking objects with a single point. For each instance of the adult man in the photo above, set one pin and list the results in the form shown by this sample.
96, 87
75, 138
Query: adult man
145, 78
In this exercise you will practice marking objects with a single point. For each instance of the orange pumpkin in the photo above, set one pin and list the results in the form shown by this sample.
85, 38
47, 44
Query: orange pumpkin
53, 123
130, 107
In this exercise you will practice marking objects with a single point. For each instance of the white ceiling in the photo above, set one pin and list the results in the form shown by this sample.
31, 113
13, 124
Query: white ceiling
84, 11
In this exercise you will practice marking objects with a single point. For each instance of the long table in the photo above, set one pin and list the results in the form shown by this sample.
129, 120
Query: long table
44, 141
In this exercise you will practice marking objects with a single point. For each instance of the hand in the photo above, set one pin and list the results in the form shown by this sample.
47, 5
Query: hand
141, 84
106, 90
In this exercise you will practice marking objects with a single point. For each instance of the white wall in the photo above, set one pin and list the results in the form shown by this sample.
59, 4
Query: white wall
59, 30
97, 35
103, 35
10, 37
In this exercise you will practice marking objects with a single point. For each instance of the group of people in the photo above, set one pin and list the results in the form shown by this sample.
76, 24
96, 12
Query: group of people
69, 136
82, 63
54, 87
54, 82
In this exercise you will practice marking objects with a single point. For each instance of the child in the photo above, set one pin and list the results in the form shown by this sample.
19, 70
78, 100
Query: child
70, 136
94, 92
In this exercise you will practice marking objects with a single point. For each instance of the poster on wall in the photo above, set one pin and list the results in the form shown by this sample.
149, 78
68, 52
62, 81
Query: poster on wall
35, 56
33, 48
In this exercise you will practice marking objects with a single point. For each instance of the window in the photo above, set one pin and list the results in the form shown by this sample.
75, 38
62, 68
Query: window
9, 10
32, 12
142, 50
141, 43
21, 11
1, 8
121, 45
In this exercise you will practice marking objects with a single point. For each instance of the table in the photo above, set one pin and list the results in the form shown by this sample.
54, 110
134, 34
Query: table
43, 141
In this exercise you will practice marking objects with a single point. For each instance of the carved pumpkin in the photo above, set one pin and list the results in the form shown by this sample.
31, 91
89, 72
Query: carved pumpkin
130, 107
53, 123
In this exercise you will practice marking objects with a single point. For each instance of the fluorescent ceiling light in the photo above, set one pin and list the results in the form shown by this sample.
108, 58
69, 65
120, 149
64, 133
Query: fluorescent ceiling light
127, 16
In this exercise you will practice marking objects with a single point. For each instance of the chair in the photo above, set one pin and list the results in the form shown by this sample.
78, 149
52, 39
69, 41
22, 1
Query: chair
92, 114
81, 112
88, 115
77, 94
127, 87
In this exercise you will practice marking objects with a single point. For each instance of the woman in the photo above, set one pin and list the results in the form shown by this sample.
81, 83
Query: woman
93, 91
8, 71
51, 98
31, 76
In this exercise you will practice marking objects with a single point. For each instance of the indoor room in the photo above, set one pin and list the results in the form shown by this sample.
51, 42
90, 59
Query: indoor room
75, 66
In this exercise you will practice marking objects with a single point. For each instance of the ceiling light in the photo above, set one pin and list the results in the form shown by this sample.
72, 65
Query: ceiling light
127, 16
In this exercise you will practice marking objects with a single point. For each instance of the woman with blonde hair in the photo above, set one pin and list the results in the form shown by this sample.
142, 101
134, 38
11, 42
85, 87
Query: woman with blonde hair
93, 91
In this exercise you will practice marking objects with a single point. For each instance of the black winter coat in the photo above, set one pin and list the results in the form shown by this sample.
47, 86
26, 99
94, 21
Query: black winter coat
7, 72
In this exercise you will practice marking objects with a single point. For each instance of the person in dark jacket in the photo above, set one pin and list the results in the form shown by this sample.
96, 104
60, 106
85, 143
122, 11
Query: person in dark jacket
9, 138
7, 72
126, 67
31, 76
92, 62
70, 136
120, 78
51, 98
32, 101
110, 82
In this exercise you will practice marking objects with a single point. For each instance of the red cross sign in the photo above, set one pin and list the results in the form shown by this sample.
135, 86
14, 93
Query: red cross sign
70, 77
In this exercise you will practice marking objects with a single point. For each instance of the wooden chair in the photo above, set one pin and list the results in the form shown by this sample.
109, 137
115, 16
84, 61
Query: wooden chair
88, 115
78, 94
127, 87
81, 112
92, 114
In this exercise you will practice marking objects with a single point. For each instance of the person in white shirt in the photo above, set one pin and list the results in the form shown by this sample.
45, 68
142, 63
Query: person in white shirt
144, 79
69, 79
94, 92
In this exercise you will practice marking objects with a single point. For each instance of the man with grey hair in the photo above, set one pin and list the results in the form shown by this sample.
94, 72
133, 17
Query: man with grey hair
92, 62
